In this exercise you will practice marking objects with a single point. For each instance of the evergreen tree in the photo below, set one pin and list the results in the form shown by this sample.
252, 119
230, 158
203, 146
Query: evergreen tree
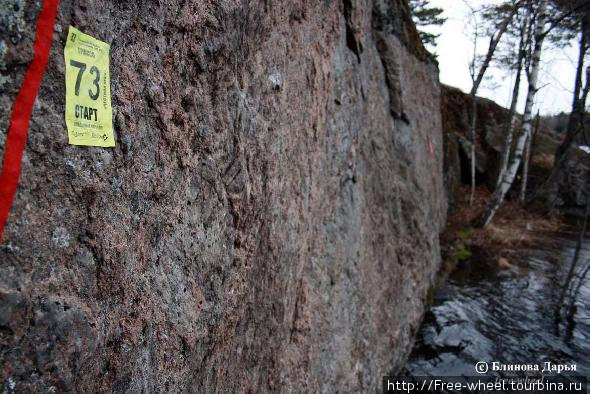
423, 16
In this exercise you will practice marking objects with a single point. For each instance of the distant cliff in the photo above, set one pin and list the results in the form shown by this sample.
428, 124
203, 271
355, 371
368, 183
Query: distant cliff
491, 120
490, 130
268, 219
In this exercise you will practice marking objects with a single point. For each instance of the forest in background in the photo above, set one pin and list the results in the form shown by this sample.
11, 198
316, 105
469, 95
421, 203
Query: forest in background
523, 176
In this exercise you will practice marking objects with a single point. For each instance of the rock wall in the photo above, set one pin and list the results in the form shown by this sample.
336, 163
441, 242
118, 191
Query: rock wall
491, 122
269, 217
573, 190
490, 130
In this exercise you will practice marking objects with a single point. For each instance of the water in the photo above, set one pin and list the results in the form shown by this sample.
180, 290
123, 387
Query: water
486, 314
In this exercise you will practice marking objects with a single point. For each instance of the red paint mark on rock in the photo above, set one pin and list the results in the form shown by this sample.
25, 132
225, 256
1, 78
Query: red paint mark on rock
22, 109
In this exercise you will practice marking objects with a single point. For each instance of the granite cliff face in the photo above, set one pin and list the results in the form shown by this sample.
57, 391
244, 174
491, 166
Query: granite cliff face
269, 217
574, 185
491, 122
490, 131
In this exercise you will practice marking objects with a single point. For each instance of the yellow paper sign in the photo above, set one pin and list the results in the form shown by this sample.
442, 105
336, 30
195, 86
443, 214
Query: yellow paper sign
89, 115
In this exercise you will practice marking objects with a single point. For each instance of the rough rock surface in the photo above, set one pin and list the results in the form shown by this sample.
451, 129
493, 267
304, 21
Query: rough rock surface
490, 128
489, 138
269, 217
574, 185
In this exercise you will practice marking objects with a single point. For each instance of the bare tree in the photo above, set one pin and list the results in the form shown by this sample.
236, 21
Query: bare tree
528, 153
477, 76
524, 42
576, 290
570, 275
574, 19
532, 76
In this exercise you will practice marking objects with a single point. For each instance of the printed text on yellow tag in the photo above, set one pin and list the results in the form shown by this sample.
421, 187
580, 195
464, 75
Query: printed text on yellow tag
88, 91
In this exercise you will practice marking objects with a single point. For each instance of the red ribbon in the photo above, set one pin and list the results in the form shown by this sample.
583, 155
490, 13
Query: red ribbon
23, 106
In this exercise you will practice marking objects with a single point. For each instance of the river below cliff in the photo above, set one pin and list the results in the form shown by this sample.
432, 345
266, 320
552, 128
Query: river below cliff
486, 314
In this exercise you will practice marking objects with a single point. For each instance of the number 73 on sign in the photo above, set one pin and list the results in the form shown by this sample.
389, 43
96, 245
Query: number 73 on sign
88, 91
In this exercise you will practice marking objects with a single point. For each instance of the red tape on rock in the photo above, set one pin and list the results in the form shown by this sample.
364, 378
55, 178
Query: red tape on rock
22, 108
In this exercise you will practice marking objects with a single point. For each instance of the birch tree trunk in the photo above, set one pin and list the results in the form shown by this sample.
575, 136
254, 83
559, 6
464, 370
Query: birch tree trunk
472, 136
528, 153
510, 173
509, 132
494, 40
525, 167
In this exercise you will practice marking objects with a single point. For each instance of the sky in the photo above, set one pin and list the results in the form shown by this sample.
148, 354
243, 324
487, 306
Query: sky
455, 50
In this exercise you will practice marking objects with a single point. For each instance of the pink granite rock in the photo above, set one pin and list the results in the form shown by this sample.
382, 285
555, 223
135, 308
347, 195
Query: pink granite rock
268, 220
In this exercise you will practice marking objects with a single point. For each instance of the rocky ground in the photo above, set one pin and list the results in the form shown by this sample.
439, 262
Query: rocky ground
515, 230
